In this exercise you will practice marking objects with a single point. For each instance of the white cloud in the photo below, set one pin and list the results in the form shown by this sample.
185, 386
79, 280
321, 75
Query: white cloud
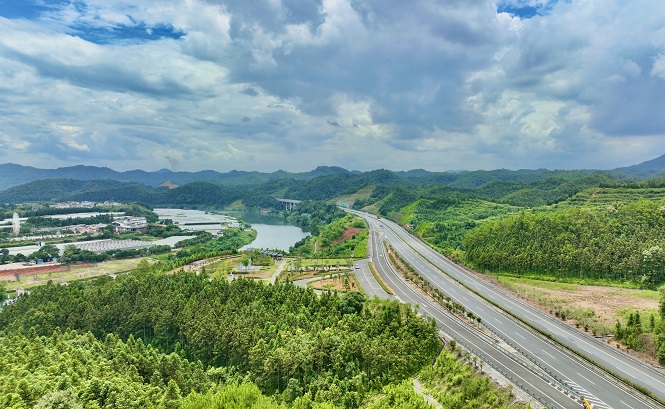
658, 68
363, 84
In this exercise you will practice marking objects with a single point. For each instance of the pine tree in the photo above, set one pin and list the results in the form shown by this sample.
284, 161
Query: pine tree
172, 397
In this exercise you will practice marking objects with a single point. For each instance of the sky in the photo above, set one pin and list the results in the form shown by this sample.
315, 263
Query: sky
362, 84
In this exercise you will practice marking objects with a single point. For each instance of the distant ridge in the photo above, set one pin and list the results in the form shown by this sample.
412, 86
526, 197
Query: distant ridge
644, 170
655, 165
12, 174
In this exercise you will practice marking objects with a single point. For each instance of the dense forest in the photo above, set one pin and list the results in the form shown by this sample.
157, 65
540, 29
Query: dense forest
619, 243
286, 340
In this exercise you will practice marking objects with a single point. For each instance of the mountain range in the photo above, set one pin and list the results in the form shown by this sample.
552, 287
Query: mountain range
13, 175
20, 184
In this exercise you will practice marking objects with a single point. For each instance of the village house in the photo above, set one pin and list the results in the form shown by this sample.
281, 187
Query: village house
129, 224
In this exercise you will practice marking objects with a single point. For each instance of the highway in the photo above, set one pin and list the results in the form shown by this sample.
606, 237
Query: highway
520, 372
547, 359
368, 283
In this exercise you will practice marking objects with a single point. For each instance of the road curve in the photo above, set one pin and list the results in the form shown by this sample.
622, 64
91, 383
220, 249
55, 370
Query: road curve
573, 372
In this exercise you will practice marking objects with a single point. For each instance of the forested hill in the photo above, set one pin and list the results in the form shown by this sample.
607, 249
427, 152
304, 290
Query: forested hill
620, 243
517, 187
14, 175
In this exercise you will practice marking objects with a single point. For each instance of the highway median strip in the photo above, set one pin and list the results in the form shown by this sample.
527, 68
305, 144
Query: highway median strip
378, 278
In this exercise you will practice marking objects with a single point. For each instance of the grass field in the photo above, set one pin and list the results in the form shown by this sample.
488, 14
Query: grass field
327, 262
363, 194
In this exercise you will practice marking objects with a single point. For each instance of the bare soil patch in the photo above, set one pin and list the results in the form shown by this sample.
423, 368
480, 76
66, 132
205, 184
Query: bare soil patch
35, 276
349, 233
609, 303
261, 274
10, 274
603, 305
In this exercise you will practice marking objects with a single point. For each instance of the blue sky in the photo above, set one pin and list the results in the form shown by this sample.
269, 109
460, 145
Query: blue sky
363, 84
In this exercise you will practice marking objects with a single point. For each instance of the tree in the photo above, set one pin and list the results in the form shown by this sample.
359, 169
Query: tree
47, 251
172, 397
352, 303
66, 399
653, 265
108, 232
661, 308
19, 258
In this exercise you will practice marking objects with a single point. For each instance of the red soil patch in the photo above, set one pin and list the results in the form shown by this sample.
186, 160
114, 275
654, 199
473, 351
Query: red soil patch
348, 233
53, 268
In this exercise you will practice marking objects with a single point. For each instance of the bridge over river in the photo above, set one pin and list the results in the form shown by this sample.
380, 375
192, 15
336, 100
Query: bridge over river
289, 204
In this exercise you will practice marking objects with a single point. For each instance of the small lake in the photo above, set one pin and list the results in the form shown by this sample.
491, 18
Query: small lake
278, 237
271, 232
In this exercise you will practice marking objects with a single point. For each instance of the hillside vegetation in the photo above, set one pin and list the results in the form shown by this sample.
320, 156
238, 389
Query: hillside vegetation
617, 243
346, 237
285, 339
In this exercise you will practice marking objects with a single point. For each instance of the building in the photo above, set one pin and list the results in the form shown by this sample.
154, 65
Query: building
128, 224
93, 228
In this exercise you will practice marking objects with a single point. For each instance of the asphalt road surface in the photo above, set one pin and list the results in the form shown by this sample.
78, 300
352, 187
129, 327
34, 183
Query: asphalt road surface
521, 372
526, 347
368, 283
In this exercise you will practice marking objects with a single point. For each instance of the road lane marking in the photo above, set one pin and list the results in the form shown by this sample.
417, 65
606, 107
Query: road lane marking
589, 380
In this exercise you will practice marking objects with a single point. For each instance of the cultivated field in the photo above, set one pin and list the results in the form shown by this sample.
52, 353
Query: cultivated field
338, 283
74, 273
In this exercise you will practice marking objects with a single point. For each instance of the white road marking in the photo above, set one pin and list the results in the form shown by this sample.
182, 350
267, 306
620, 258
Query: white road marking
589, 380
